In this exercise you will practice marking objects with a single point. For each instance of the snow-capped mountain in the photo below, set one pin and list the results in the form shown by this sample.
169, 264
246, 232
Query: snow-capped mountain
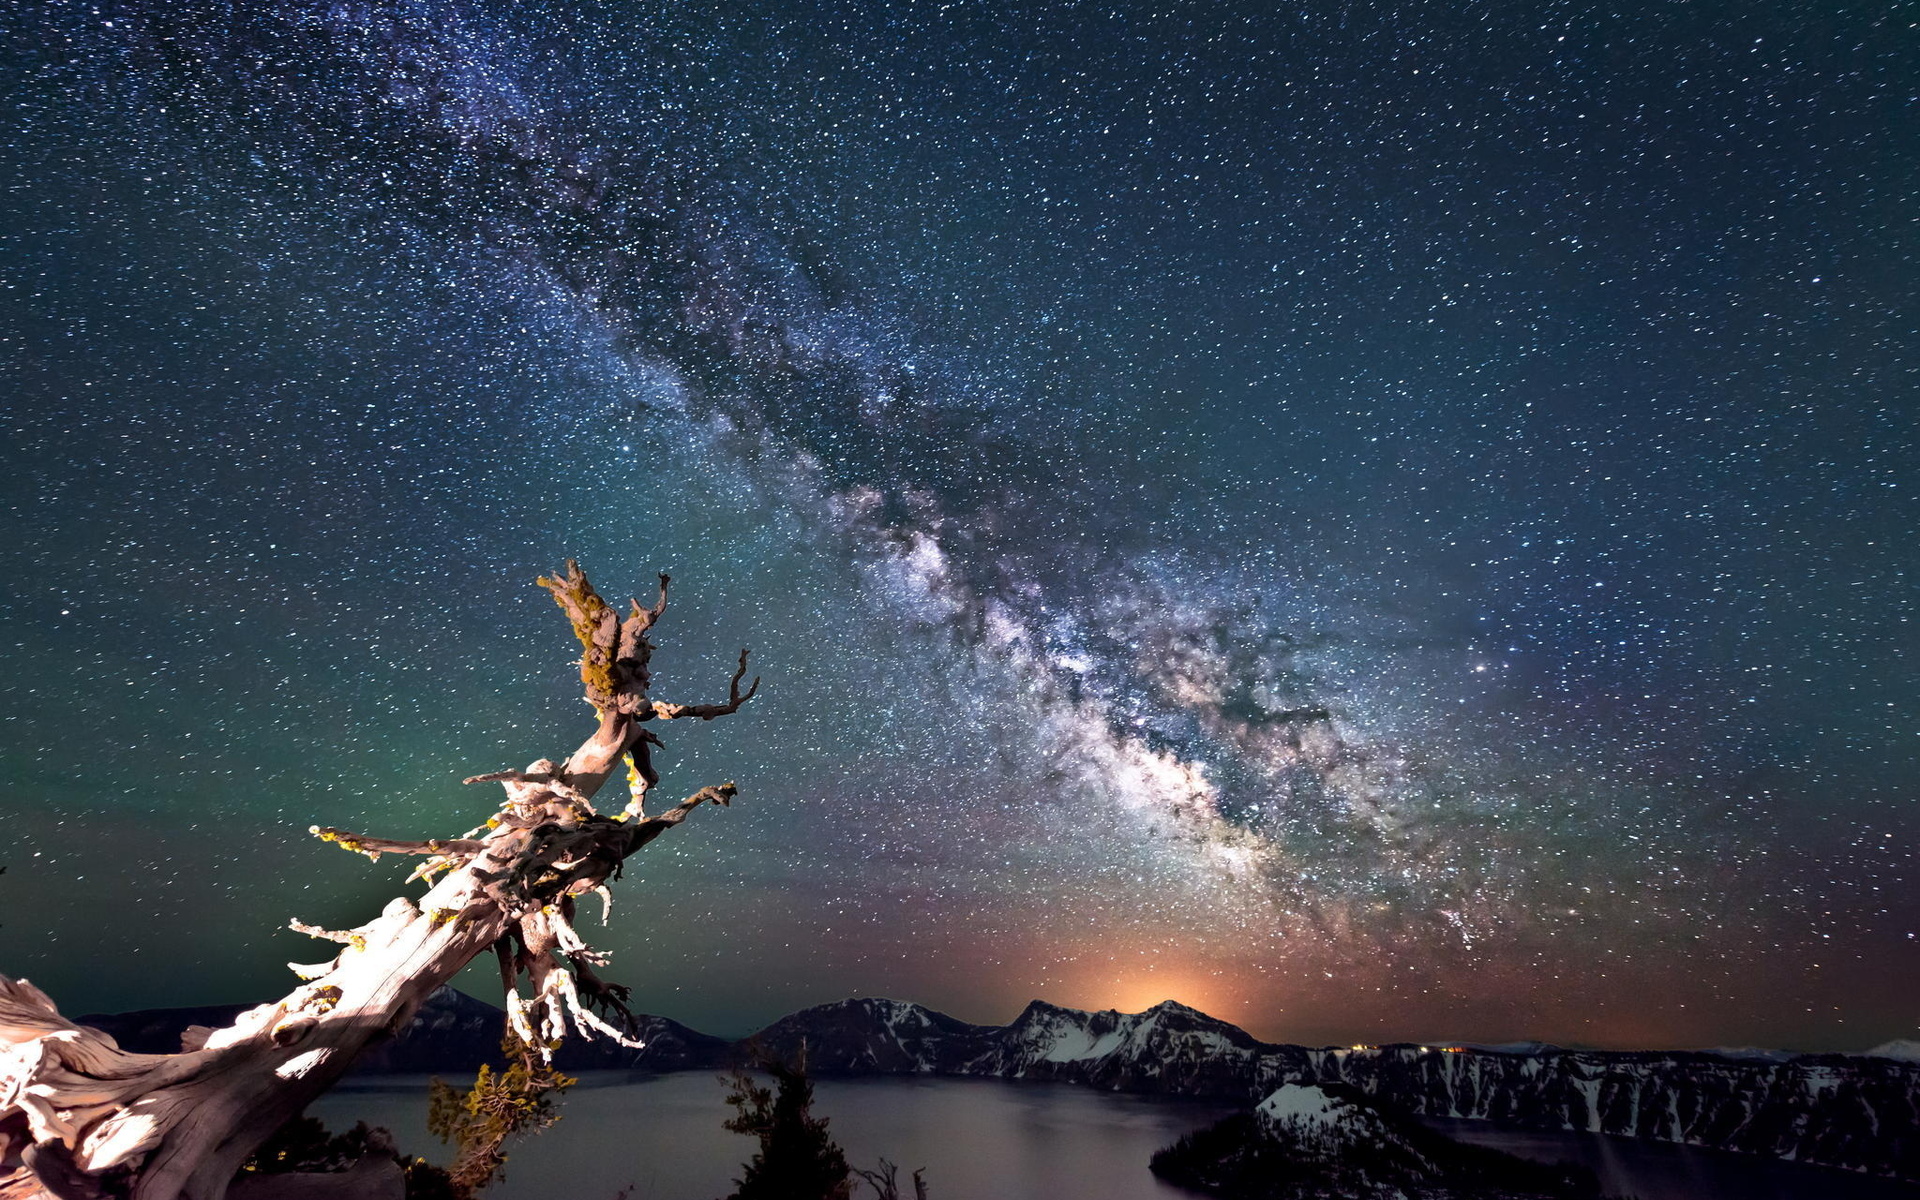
870, 1036
1167, 1048
1905, 1049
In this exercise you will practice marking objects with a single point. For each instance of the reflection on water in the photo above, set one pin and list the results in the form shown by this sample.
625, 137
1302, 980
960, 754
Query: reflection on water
978, 1139
1662, 1171
988, 1140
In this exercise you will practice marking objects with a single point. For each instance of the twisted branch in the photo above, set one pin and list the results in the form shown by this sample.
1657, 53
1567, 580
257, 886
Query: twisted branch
374, 847
707, 712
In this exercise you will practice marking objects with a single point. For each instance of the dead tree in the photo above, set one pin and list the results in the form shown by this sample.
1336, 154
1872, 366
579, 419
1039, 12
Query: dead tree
82, 1118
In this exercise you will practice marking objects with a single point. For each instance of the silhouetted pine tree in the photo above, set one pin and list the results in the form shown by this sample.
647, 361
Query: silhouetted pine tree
797, 1159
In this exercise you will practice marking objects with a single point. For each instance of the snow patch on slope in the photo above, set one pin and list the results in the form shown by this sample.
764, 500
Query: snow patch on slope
1076, 1045
1302, 1106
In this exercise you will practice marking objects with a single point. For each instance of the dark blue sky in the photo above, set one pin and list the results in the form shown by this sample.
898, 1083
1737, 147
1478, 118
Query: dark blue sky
1372, 521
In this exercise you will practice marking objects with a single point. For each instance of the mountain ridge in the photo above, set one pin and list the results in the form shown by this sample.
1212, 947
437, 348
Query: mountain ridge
1856, 1112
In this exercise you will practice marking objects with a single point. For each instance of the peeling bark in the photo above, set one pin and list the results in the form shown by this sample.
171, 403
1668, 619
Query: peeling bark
82, 1119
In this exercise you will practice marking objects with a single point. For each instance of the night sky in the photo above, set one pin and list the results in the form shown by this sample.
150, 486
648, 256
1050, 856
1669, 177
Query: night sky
1375, 521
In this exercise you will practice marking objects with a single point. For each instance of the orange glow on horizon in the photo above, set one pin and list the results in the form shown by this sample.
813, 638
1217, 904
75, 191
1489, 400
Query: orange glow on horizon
1142, 990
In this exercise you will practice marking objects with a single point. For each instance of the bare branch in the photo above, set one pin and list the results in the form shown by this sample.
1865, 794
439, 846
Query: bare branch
651, 828
561, 984
374, 847
346, 937
645, 617
433, 866
707, 712
609, 998
511, 777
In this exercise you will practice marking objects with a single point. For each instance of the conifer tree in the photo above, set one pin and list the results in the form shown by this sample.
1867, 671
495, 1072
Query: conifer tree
798, 1159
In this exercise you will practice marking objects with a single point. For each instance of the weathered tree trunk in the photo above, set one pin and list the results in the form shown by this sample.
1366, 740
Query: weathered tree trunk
79, 1117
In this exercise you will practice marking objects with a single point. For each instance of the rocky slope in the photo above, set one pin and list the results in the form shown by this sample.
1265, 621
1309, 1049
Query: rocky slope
1858, 1112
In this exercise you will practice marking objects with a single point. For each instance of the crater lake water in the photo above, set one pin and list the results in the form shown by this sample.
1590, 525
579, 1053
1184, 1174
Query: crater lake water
660, 1137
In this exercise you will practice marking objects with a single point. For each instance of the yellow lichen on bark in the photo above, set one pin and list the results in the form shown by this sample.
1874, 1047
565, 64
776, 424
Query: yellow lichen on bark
596, 625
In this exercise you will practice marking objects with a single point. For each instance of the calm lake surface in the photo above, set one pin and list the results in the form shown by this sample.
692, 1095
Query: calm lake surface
661, 1134
982, 1139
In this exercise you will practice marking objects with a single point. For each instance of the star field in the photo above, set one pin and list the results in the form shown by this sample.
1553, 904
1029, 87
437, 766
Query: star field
1373, 521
